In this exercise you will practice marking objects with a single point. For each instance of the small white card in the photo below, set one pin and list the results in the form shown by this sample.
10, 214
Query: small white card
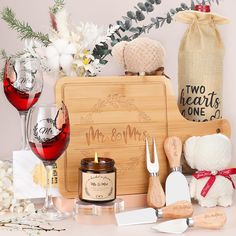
29, 176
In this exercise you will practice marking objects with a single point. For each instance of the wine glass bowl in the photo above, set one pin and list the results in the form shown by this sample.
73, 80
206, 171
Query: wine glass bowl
22, 84
51, 132
48, 136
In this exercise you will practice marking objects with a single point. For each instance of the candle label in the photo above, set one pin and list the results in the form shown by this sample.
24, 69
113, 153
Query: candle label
98, 187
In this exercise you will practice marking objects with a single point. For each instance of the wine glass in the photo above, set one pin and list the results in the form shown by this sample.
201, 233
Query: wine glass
23, 83
48, 135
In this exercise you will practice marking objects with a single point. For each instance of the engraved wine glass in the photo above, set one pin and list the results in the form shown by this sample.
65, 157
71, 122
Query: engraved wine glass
48, 136
23, 83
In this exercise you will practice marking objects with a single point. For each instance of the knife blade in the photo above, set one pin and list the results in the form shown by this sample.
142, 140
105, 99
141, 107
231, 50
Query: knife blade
172, 226
149, 215
211, 219
176, 184
176, 188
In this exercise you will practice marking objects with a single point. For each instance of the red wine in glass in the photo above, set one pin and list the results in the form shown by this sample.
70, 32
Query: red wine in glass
22, 83
22, 101
52, 149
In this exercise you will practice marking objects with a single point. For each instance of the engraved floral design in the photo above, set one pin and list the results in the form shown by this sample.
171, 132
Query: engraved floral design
116, 101
36, 130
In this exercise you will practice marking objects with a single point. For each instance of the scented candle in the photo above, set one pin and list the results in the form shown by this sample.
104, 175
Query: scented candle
97, 179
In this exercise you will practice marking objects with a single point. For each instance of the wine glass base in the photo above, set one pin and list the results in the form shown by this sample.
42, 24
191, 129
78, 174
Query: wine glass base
52, 214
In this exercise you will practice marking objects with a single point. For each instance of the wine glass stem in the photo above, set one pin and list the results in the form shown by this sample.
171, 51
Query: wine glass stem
48, 199
23, 118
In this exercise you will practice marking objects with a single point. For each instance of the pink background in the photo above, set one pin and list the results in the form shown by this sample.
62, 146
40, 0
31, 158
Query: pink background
104, 12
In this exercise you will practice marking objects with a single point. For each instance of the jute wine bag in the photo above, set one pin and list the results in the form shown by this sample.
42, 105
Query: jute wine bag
200, 70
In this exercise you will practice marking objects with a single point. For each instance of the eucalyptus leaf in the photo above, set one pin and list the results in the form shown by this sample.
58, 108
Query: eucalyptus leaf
141, 6
117, 32
112, 37
128, 24
140, 16
103, 62
178, 9
114, 42
134, 30
169, 18
158, 1
149, 7
172, 11
125, 38
184, 6
131, 15
135, 36
104, 46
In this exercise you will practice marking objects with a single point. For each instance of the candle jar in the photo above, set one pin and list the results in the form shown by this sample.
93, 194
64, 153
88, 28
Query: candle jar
97, 180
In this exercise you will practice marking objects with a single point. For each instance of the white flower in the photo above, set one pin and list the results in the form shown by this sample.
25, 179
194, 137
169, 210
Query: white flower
60, 55
89, 33
7, 201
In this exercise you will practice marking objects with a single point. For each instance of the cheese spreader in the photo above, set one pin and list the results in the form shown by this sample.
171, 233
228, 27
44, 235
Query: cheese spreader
176, 184
212, 219
150, 215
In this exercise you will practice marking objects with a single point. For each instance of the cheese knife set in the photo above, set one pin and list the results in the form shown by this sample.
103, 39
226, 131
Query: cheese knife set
178, 209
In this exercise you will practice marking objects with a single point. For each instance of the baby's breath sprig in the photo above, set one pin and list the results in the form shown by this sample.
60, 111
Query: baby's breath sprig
58, 5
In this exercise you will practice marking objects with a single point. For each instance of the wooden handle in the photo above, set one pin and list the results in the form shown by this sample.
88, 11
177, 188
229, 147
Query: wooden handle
180, 209
155, 195
212, 219
173, 150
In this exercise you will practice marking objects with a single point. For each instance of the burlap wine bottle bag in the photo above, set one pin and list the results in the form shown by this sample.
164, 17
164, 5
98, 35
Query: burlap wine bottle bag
200, 70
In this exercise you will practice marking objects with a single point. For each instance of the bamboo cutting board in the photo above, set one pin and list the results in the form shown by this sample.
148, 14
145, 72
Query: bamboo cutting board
112, 116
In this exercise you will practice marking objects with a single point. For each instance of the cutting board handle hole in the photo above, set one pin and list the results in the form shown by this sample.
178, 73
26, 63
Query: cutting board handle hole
218, 130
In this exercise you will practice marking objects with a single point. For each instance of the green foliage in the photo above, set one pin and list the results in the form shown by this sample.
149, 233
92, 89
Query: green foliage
129, 26
24, 29
132, 31
58, 5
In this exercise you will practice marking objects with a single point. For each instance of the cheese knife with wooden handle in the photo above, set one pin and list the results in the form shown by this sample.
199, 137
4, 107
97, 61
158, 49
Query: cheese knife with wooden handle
177, 210
176, 184
211, 219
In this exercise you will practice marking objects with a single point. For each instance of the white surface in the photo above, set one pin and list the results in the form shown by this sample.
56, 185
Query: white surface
75, 229
105, 12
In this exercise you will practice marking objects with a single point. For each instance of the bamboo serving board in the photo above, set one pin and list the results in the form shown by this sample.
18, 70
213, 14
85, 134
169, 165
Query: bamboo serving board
112, 116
